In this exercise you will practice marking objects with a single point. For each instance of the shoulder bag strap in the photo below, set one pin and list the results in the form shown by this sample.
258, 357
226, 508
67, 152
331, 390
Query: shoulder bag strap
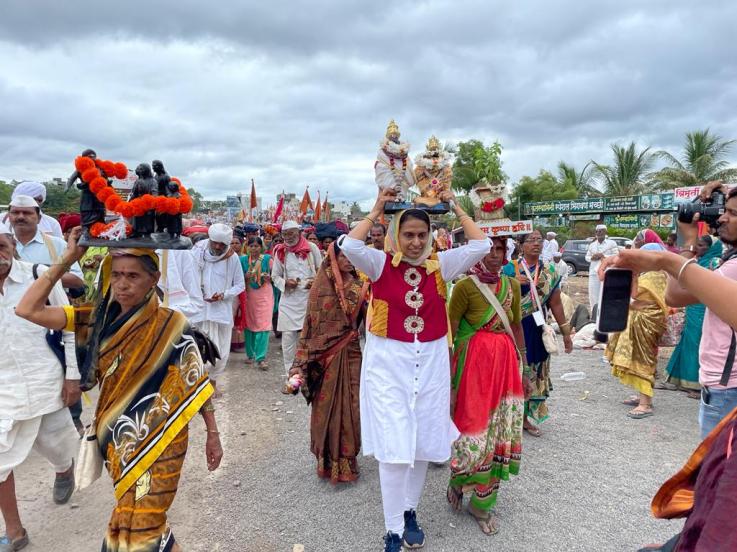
533, 289
491, 298
730, 361
52, 250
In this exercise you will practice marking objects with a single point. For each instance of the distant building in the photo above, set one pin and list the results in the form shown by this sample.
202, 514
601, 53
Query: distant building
342, 209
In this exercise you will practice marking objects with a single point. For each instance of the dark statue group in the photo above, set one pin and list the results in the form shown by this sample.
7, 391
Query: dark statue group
162, 228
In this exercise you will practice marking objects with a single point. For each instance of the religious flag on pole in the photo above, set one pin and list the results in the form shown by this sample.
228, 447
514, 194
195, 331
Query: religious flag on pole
318, 208
254, 203
326, 209
306, 204
279, 208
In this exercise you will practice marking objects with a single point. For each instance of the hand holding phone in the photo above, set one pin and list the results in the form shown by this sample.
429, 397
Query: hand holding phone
614, 300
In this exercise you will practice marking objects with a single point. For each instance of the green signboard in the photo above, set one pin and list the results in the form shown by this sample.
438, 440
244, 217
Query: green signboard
623, 204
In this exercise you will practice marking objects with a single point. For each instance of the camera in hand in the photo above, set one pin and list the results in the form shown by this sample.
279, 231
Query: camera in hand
709, 211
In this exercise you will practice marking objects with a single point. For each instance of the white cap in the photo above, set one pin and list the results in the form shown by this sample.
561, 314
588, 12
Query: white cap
5, 228
32, 189
220, 233
23, 201
290, 225
600, 227
552, 234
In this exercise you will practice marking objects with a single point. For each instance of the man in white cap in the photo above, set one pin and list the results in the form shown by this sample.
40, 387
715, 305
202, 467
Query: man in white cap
550, 247
36, 190
296, 263
35, 247
34, 393
598, 249
221, 280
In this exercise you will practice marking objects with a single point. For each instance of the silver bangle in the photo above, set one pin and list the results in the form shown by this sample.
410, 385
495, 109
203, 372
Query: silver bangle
683, 267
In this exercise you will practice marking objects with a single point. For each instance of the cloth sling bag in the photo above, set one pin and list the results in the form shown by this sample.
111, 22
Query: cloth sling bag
550, 341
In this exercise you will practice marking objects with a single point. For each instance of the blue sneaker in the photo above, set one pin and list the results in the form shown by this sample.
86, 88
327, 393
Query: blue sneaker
392, 542
413, 536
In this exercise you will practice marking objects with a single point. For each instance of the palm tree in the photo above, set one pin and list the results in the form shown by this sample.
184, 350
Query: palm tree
583, 181
628, 174
702, 160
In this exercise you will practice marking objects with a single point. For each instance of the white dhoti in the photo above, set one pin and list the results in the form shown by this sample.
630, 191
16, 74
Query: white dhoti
51, 435
594, 290
221, 335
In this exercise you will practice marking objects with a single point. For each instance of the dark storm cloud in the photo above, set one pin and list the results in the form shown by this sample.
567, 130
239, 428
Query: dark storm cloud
300, 93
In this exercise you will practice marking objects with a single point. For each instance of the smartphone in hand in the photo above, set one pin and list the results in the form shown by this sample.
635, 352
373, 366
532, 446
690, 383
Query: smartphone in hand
614, 300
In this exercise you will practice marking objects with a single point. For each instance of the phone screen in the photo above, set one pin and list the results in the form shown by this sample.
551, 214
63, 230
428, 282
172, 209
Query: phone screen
614, 301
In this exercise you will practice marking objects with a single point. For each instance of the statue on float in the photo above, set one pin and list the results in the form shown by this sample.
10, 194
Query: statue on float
434, 175
393, 167
150, 218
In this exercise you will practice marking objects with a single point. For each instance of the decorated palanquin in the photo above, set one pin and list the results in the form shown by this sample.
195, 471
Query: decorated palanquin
407, 301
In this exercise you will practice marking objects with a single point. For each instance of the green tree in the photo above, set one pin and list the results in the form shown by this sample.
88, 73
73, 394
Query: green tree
583, 181
543, 187
196, 199
59, 201
6, 190
356, 210
475, 162
701, 160
628, 174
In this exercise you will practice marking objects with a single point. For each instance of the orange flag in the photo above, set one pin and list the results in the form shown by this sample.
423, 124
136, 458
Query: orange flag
326, 209
318, 208
254, 203
306, 203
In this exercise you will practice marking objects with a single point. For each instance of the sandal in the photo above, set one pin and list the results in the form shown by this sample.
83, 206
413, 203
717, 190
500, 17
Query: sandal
632, 401
8, 545
636, 414
693, 394
487, 523
533, 430
455, 497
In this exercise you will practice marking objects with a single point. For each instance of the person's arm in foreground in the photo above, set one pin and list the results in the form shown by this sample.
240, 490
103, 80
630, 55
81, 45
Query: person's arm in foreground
556, 305
712, 289
367, 260
458, 260
32, 305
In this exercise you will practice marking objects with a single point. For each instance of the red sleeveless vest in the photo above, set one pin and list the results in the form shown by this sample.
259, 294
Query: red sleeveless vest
408, 302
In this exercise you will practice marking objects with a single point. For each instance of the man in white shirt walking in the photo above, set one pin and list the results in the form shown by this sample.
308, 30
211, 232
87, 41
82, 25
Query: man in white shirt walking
34, 393
221, 280
180, 283
599, 249
296, 263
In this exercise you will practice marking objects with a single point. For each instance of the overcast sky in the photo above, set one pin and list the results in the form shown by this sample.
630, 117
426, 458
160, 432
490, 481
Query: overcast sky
296, 94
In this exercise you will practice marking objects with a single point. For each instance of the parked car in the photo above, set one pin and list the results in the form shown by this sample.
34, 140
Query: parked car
574, 255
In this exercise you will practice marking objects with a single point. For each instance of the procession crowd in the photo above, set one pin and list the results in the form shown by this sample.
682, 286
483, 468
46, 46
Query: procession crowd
408, 348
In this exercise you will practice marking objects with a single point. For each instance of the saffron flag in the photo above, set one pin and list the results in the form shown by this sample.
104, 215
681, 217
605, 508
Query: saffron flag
326, 209
254, 203
279, 209
306, 204
318, 208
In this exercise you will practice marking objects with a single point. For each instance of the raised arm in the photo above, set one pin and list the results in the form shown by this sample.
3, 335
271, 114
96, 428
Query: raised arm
32, 305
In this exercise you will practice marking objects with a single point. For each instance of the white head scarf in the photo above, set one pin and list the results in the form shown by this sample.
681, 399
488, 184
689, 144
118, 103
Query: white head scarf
221, 233
32, 189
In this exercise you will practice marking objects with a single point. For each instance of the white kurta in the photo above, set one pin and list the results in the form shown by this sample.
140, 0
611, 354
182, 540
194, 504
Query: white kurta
224, 276
293, 302
31, 376
608, 248
405, 387
180, 283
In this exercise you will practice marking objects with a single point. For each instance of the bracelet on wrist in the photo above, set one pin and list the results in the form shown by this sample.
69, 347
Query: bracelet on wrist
683, 267
213, 431
368, 218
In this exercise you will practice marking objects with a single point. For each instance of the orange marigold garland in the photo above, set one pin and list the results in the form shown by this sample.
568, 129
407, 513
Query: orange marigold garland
100, 228
94, 173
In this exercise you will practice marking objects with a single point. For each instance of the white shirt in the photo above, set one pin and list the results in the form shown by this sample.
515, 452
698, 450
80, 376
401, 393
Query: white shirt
224, 276
550, 248
31, 376
607, 247
37, 251
293, 302
405, 387
562, 268
180, 283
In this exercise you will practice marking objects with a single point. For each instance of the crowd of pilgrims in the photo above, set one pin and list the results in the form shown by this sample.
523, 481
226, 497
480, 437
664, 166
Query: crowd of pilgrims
366, 323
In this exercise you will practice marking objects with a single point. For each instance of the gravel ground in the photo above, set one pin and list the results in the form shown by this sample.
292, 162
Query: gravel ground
585, 485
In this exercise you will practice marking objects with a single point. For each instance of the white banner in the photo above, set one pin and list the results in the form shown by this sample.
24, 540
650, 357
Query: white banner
505, 227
